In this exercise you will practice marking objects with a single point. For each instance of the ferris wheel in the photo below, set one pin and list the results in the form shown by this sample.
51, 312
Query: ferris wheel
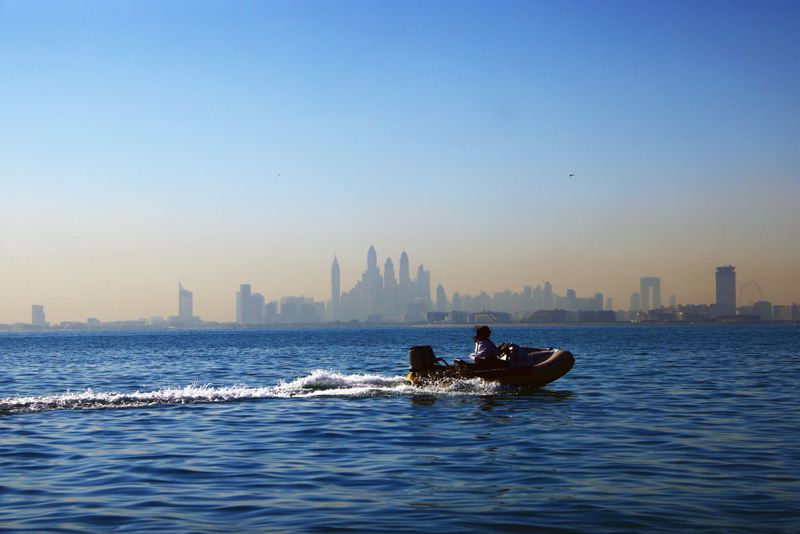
749, 290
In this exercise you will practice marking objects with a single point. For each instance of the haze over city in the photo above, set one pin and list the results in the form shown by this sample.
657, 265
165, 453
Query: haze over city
500, 144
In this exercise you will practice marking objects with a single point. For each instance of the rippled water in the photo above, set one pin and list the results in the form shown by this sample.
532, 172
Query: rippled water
656, 428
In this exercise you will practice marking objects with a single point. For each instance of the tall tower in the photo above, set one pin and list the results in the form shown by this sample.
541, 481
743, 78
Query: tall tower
405, 292
647, 284
388, 274
726, 290
458, 303
185, 305
37, 315
372, 259
390, 302
243, 305
548, 296
441, 299
424, 284
336, 292
405, 278
636, 302
373, 284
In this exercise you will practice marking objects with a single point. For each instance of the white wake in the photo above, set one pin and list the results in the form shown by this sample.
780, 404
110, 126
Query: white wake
318, 383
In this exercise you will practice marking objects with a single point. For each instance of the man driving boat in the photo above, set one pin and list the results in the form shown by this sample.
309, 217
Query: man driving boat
485, 354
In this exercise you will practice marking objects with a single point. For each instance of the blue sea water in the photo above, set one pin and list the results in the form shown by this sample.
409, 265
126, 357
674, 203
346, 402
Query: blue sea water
666, 428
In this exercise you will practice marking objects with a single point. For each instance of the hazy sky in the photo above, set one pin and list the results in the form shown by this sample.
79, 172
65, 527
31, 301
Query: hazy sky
214, 143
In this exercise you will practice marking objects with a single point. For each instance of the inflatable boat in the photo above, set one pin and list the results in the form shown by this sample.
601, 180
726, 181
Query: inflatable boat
542, 367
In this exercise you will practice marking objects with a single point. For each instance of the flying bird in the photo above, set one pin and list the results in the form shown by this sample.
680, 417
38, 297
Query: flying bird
572, 175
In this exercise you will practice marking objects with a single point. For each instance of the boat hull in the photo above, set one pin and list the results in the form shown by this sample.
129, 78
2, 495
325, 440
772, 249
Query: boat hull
549, 365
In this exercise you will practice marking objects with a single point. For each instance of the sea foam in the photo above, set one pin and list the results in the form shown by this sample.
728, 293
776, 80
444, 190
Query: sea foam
318, 383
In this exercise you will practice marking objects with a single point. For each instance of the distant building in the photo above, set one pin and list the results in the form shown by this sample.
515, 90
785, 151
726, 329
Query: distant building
271, 312
490, 317
436, 317
547, 295
548, 316
694, 313
256, 308
636, 303
415, 311
424, 285
597, 316
391, 302
662, 315
243, 305
404, 290
336, 290
738, 319
185, 305
458, 317
782, 312
726, 290
457, 304
298, 310
441, 299
650, 285
37, 315
571, 305
373, 284
763, 309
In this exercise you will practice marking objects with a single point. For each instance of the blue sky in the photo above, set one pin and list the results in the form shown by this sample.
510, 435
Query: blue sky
223, 142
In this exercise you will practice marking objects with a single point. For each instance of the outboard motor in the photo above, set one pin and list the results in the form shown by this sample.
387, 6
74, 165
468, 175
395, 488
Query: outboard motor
421, 357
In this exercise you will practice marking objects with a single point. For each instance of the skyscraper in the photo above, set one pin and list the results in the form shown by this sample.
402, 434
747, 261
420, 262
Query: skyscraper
389, 279
243, 305
726, 290
336, 291
424, 285
37, 315
458, 304
185, 305
405, 293
648, 284
636, 302
441, 299
390, 302
548, 295
256, 313
405, 277
373, 284
372, 259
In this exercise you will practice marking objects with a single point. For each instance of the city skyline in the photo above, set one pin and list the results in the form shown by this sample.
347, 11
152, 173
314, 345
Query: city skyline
507, 144
377, 297
752, 288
